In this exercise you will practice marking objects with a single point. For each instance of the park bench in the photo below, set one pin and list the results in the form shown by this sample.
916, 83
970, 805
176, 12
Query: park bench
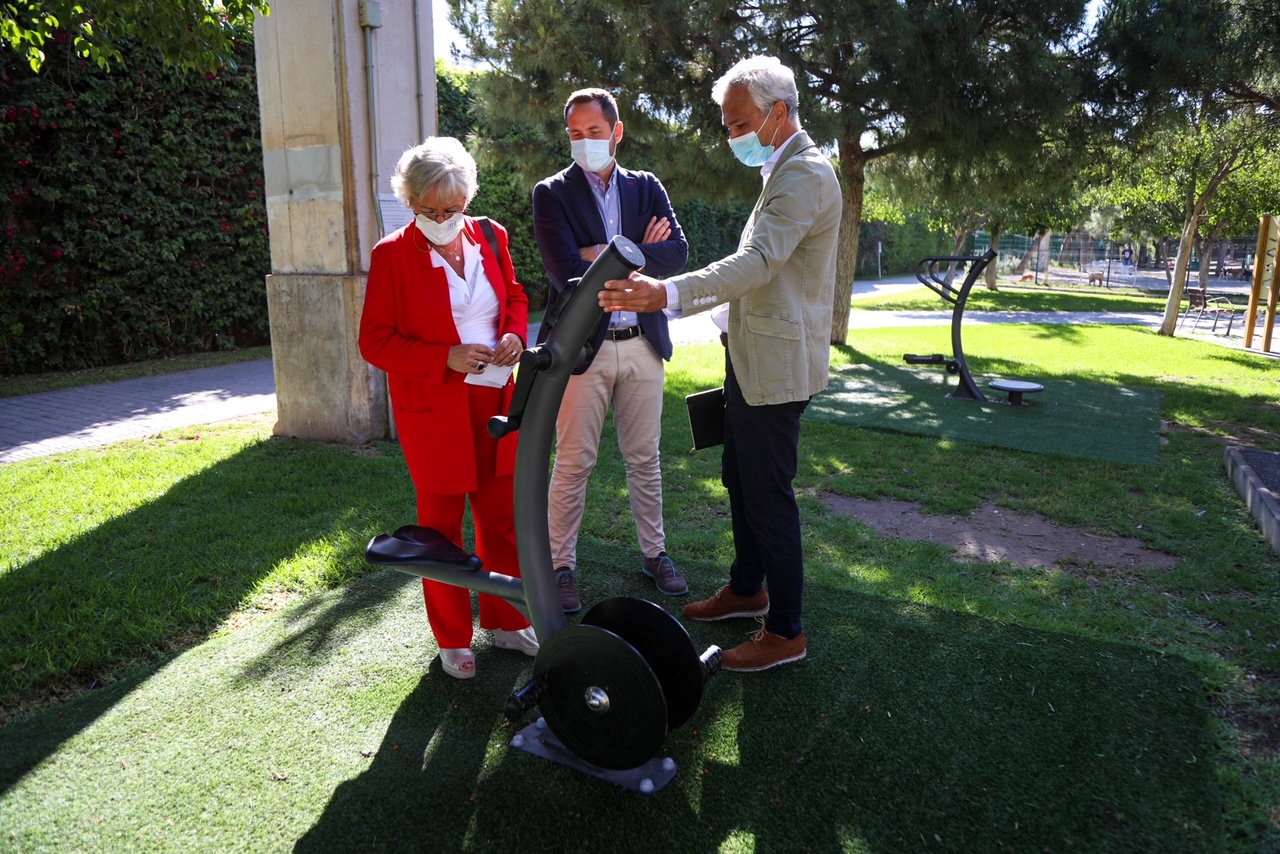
1200, 304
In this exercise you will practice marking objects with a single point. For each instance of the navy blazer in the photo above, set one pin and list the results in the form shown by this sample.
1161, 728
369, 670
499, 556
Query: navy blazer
565, 218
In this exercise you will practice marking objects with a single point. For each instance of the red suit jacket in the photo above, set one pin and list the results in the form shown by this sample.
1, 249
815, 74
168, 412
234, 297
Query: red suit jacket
407, 329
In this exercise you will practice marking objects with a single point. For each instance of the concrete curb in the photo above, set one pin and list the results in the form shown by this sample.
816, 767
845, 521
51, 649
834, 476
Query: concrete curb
1261, 500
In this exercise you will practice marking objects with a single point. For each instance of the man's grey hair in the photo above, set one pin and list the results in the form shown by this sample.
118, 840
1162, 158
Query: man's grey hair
767, 80
441, 163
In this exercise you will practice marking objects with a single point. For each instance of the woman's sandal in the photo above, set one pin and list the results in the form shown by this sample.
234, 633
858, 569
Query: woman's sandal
458, 663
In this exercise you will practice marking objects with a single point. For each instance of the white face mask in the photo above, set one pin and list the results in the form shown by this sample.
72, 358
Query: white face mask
440, 233
593, 155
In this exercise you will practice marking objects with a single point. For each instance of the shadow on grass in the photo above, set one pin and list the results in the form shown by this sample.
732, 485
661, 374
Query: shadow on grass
906, 727
175, 568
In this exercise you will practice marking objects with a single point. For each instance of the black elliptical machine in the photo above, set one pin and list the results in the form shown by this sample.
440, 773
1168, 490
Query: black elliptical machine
610, 688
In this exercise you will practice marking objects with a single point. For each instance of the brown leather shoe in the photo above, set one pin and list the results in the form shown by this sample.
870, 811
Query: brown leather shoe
665, 575
764, 650
726, 604
567, 584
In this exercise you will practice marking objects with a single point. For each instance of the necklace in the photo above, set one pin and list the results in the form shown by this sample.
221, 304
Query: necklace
447, 249
444, 249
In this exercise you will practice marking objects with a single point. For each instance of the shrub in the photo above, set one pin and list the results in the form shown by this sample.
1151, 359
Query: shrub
903, 245
133, 209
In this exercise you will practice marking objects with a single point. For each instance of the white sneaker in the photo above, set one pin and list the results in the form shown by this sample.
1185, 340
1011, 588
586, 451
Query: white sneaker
523, 640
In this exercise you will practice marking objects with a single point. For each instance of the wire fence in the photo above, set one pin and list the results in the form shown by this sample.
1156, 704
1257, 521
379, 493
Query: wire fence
1228, 259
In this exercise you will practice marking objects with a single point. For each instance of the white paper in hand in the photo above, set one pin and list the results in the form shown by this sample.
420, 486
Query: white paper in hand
492, 375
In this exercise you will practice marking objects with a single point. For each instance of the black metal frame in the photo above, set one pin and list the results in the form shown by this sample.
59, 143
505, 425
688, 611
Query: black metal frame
927, 273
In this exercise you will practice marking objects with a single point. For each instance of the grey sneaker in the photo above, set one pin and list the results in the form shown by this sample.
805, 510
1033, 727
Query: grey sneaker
665, 575
567, 584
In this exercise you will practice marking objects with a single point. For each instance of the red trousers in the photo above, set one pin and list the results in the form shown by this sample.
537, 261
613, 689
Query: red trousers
448, 606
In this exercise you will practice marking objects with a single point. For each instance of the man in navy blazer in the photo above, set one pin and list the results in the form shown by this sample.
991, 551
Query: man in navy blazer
576, 212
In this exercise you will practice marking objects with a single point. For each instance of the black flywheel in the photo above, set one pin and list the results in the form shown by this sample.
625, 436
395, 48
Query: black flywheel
602, 699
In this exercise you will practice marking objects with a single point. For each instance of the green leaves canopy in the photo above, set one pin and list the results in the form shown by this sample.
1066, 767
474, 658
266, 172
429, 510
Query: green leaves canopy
189, 34
875, 76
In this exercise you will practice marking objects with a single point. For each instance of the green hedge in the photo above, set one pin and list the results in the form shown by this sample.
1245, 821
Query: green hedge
133, 209
904, 244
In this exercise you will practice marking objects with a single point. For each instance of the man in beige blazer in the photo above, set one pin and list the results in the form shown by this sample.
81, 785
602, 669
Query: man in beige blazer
779, 285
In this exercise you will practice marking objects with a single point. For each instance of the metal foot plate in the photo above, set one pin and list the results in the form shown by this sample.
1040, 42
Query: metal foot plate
645, 779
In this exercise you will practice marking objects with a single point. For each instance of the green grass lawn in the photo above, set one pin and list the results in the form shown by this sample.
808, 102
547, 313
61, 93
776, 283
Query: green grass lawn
1015, 298
194, 655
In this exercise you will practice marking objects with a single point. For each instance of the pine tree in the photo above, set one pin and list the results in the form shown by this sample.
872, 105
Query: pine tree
961, 80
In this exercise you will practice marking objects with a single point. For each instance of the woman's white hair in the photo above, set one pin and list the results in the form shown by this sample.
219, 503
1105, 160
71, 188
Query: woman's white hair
767, 80
441, 163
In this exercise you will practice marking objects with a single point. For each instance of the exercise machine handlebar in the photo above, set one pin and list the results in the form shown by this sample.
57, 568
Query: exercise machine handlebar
574, 321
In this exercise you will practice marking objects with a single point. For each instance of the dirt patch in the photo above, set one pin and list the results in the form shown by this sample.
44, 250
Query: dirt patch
994, 533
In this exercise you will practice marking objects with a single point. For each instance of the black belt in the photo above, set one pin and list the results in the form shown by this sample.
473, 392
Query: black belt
623, 333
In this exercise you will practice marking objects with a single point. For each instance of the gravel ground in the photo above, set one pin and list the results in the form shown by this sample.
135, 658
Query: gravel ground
1266, 465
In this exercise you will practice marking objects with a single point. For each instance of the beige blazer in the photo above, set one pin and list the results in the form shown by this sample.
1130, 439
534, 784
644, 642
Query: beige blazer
780, 284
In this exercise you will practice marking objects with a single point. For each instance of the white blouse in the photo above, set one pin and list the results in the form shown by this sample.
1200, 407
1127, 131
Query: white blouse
475, 302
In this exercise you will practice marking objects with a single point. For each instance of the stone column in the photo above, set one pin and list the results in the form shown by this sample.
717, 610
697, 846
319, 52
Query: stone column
328, 153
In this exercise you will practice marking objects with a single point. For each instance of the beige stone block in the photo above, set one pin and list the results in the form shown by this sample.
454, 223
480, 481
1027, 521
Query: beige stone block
324, 389
330, 141
307, 211
299, 90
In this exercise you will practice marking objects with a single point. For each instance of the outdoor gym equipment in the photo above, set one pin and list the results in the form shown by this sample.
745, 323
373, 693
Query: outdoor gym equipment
927, 273
610, 688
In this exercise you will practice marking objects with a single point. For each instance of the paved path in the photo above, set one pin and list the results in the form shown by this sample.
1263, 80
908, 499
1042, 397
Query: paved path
54, 422
36, 425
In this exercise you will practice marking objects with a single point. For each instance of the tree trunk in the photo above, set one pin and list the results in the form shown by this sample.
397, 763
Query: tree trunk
1177, 283
1044, 254
1213, 245
852, 182
961, 234
1027, 256
1178, 278
1062, 250
992, 270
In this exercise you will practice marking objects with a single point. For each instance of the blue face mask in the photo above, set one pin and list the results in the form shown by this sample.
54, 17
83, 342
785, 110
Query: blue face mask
749, 151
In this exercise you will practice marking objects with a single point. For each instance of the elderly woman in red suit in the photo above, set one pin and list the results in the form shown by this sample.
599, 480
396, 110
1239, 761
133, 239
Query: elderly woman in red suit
446, 319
